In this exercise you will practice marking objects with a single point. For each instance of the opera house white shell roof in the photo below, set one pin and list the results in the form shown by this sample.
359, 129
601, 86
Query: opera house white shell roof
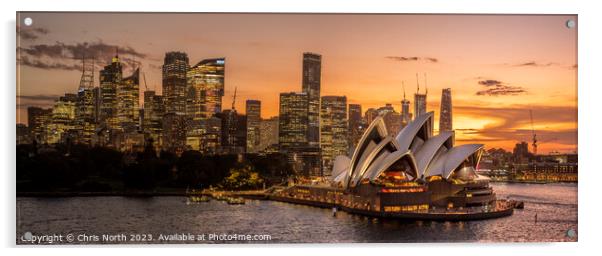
428, 155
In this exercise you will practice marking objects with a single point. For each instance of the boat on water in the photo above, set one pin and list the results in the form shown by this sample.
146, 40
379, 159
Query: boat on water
235, 200
198, 199
220, 197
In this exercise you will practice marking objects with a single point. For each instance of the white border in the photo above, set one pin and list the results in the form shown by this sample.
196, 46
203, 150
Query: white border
589, 119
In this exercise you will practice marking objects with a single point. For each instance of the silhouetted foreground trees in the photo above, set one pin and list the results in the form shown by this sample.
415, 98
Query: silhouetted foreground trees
80, 168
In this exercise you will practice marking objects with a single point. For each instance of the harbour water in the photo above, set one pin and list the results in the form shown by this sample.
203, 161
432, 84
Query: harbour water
152, 219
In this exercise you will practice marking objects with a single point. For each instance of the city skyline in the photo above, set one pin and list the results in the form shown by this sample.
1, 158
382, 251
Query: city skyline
492, 96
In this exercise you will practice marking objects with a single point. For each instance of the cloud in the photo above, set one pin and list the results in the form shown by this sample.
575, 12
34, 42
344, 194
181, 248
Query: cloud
47, 65
498, 88
31, 34
535, 64
39, 97
514, 122
39, 100
61, 56
403, 59
97, 50
490, 82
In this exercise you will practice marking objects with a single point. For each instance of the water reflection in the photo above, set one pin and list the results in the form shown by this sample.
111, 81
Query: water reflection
555, 205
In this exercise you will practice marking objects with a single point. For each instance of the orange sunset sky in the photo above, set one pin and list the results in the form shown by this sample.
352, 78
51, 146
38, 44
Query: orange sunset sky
498, 66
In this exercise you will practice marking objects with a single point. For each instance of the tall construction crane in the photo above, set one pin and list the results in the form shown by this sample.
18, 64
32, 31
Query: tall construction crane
144, 77
234, 98
534, 134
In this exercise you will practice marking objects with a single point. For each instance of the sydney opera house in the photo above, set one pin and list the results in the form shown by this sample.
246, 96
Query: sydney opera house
412, 174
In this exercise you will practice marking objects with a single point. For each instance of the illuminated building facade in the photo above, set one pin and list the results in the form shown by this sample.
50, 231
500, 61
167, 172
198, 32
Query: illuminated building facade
333, 131
128, 98
85, 107
253, 112
23, 135
174, 133
311, 82
234, 132
85, 112
211, 137
406, 117
293, 116
419, 104
268, 140
204, 135
152, 123
110, 79
292, 134
356, 124
37, 120
445, 115
62, 120
175, 66
205, 88
391, 117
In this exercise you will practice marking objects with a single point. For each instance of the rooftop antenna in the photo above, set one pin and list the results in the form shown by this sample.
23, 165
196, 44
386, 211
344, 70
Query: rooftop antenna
404, 90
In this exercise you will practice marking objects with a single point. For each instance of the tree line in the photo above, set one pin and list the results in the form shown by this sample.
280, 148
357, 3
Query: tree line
84, 168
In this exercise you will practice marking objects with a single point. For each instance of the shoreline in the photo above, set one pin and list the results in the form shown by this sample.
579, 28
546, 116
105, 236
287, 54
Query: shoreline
109, 193
534, 182
243, 193
250, 194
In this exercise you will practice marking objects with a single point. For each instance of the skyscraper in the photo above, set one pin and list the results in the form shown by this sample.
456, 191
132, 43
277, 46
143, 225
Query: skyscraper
391, 117
110, 78
154, 109
174, 133
212, 128
23, 135
234, 131
356, 124
85, 107
445, 116
128, 102
62, 120
370, 115
269, 134
253, 110
333, 131
37, 120
292, 130
204, 135
175, 66
405, 110
312, 66
205, 88
419, 100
